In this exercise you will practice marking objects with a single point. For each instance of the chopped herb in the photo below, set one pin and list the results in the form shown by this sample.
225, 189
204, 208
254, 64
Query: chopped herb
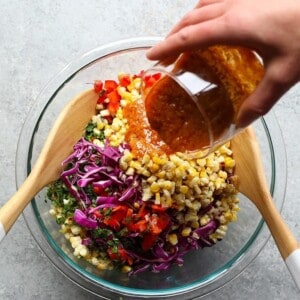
91, 134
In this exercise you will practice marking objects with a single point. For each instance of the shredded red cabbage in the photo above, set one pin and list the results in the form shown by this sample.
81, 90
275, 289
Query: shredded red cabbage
91, 167
94, 166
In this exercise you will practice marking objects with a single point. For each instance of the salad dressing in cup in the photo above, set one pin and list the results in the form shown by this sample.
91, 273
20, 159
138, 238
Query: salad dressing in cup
194, 105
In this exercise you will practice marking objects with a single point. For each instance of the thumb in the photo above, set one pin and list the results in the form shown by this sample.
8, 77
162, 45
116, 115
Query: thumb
267, 93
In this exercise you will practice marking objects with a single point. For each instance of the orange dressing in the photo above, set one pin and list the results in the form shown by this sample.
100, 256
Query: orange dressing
175, 116
141, 137
168, 120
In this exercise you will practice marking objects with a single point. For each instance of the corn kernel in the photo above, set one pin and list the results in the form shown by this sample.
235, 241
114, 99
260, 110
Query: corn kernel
154, 167
229, 162
157, 198
186, 231
76, 230
83, 251
100, 125
172, 239
126, 269
154, 188
183, 189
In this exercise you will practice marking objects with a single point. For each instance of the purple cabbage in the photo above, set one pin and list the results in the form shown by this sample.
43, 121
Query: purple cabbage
91, 166
84, 221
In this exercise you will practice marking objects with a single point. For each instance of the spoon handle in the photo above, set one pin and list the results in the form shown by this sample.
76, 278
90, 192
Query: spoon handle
2, 232
12, 209
293, 264
285, 240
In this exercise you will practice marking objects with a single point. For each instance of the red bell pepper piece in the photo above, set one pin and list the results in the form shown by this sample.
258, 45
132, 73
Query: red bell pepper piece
151, 79
112, 254
142, 212
148, 241
125, 80
119, 212
102, 97
139, 226
158, 208
158, 223
110, 85
114, 102
115, 218
100, 191
97, 214
112, 223
98, 86
120, 254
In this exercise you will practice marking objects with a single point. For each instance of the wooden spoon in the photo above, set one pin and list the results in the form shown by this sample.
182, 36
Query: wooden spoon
66, 131
252, 183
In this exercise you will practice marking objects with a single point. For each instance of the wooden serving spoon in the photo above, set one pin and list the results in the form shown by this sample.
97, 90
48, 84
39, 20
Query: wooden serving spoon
67, 130
252, 183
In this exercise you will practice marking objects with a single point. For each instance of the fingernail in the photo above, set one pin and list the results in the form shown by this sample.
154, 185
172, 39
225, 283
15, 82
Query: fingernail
148, 53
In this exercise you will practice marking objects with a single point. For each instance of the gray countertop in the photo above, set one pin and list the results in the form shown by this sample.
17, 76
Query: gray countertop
37, 39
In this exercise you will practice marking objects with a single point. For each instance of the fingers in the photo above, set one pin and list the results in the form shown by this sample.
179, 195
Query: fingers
190, 38
192, 28
261, 101
202, 3
196, 16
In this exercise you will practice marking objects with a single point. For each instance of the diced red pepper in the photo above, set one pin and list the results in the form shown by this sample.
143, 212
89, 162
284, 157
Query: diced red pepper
102, 97
148, 241
158, 208
111, 222
119, 212
114, 97
142, 212
97, 214
120, 254
124, 80
117, 215
98, 86
158, 222
123, 255
114, 102
113, 108
112, 254
110, 85
139, 226
151, 79
156, 76
100, 191
129, 213
109, 119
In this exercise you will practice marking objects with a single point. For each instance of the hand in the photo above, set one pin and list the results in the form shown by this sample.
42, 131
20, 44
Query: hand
270, 27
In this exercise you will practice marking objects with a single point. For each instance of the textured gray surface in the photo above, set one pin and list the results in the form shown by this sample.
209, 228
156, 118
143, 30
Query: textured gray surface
38, 38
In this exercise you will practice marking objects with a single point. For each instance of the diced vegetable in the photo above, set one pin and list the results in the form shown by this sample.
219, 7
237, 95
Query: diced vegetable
138, 212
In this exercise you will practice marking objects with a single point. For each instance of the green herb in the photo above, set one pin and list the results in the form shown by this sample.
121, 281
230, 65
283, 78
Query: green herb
91, 134
114, 244
89, 131
60, 198
107, 212
101, 233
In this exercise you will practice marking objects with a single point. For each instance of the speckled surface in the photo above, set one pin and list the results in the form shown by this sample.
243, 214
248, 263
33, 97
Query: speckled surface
37, 39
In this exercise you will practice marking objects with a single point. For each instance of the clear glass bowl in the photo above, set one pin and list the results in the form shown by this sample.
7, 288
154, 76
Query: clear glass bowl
204, 270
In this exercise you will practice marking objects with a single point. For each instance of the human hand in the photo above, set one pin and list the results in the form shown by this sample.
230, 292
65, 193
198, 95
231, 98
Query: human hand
270, 27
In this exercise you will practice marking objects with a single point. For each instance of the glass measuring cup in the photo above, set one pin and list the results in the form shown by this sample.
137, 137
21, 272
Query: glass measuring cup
192, 101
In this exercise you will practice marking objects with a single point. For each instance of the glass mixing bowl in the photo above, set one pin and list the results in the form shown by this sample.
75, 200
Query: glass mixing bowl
204, 270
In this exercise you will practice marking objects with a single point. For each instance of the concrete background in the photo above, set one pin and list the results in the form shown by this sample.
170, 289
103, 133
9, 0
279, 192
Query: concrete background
37, 39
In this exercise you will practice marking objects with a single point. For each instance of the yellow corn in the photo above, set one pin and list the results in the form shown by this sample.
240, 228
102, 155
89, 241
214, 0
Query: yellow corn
185, 184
